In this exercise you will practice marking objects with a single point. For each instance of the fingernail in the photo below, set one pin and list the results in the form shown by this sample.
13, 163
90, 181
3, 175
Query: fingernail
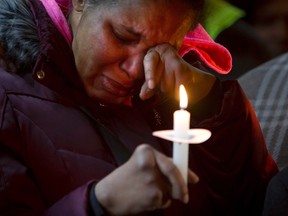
186, 198
196, 179
150, 84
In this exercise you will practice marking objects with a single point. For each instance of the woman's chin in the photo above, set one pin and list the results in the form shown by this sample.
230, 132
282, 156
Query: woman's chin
114, 101
105, 97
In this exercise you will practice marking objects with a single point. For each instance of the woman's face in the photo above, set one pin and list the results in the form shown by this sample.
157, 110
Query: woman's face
110, 42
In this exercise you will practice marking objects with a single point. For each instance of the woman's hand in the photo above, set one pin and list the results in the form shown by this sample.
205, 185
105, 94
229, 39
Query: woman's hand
148, 181
165, 70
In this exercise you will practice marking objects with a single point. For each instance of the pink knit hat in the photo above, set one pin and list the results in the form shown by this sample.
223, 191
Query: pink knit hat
212, 54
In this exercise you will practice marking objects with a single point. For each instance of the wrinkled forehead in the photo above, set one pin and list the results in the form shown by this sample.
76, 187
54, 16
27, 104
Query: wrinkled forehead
150, 18
177, 8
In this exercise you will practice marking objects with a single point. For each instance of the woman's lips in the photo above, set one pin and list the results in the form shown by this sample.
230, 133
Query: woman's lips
115, 88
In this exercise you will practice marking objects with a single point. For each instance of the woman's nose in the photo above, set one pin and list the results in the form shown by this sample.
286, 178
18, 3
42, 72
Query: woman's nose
133, 66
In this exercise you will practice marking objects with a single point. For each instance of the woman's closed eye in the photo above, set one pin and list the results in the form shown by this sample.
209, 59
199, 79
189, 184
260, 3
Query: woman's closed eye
126, 38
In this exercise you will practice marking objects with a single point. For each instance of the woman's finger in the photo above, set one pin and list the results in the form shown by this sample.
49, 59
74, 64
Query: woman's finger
153, 69
179, 189
151, 61
192, 177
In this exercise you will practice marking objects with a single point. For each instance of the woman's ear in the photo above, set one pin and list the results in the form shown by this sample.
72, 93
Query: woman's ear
76, 14
78, 5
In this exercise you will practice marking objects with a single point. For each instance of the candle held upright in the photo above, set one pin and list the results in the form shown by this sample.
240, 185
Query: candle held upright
181, 126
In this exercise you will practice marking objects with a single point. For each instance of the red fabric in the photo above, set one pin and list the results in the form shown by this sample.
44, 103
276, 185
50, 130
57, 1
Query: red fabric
209, 52
65, 5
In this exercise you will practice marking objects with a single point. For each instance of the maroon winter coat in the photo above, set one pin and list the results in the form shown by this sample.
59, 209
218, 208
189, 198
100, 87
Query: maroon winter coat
51, 152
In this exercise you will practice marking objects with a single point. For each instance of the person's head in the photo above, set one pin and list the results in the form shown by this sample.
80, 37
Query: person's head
270, 20
111, 38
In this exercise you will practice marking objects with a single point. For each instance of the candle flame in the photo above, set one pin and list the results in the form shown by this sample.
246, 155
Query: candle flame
183, 97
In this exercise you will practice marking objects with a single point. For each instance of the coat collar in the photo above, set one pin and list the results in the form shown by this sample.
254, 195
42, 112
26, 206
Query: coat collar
55, 67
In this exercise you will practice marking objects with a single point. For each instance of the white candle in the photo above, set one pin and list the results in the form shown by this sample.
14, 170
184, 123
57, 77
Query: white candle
181, 128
